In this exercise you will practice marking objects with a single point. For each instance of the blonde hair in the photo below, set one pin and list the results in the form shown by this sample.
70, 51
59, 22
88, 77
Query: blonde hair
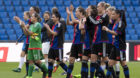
111, 8
104, 4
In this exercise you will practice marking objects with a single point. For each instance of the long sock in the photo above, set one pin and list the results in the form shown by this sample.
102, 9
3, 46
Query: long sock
27, 67
84, 69
106, 62
64, 66
110, 72
93, 66
117, 69
46, 63
30, 71
126, 71
50, 69
43, 69
21, 62
69, 71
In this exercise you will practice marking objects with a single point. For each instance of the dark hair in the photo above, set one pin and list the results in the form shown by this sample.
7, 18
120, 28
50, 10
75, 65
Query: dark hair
122, 15
82, 10
94, 11
37, 10
27, 13
54, 9
47, 12
37, 16
57, 14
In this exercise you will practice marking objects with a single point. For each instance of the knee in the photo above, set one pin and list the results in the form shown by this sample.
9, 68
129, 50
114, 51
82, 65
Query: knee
72, 60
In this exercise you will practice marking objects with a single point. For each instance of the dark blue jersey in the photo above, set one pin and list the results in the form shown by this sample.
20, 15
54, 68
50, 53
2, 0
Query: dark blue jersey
57, 41
119, 40
110, 26
77, 35
87, 44
100, 36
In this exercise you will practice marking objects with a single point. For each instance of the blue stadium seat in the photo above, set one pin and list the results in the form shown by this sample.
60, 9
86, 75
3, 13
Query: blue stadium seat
59, 3
11, 14
67, 3
13, 22
12, 37
129, 9
128, 20
67, 37
19, 31
62, 9
16, 2
3, 37
134, 37
5, 20
10, 32
9, 8
127, 37
1, 26
76, 4
18, 8
138, 32
92, 2
132, 14
118, 3
44, 8
135, 20
129, 26
137, 9
135, 3
24, 2
110, 2
1, 2
2, 31
26, 8
50, 3
64, 15
131, 32
16, 27
2, 8
127, 3
7, 2
8, 26
33, 3
84, 3
42, 2
137, 26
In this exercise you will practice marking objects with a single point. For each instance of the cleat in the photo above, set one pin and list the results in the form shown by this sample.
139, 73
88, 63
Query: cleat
17, 70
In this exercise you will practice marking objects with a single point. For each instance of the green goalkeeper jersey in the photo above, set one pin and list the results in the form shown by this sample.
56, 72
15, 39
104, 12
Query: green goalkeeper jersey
35, 39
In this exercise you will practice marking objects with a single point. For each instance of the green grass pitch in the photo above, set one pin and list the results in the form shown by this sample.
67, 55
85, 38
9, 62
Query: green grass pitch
6, 71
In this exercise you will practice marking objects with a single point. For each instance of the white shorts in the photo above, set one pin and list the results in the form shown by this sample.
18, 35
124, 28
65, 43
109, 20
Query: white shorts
45, 47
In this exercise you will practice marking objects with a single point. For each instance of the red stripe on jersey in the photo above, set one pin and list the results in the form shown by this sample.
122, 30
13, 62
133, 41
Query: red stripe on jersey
112, 35
52, 36
34, 48
74, 32
96, 29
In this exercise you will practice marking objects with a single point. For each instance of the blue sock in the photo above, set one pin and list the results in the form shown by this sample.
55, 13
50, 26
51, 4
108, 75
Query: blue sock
93, 66
64, 66
126, 71
69, 71
84, 69
50, 69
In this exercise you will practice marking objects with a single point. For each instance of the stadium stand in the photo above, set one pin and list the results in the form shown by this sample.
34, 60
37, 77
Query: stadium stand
9, 29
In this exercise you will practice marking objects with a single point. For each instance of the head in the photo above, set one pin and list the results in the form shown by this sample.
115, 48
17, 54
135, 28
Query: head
56, 17
80, 12
35, 18
46, 15
54, 9
26, 15
102, 6
34, 9
119, 14
92, 11
109, 10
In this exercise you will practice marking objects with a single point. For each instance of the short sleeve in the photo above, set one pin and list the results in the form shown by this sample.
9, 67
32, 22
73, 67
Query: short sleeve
120, 28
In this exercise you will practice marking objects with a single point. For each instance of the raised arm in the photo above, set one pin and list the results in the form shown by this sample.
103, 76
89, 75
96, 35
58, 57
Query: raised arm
68, 17
72, 16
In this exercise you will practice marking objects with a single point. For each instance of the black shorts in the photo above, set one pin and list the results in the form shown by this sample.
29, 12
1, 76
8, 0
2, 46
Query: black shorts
56, 54
99, 49
109, 48
117, 54
26, 48
76, 50
87, 52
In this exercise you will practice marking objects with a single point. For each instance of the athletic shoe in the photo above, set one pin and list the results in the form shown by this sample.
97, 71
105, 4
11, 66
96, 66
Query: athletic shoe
64, 73
55, 68
36, 70
77, 76
17, 70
